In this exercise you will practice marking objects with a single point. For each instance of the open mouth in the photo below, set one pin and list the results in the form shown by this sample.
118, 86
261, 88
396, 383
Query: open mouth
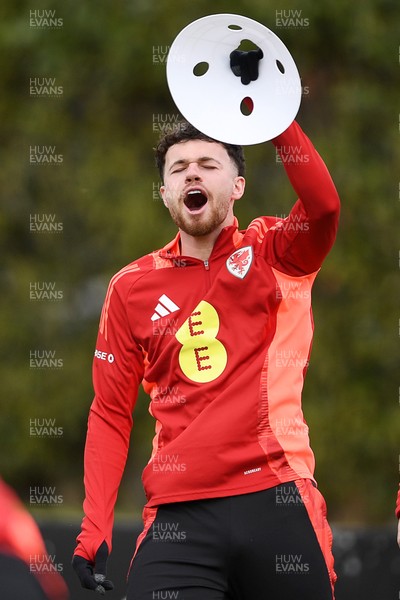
195, 200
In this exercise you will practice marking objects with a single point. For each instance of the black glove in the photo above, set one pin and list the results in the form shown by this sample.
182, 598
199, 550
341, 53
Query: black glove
85, 570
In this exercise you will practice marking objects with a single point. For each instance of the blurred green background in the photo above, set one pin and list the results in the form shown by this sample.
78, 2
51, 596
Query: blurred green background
106, 63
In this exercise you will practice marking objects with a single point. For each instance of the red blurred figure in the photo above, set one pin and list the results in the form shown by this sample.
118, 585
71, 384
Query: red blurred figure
398, 515
26, 568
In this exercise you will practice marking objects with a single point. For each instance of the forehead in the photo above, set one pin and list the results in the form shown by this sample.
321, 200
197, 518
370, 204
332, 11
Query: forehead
194, 150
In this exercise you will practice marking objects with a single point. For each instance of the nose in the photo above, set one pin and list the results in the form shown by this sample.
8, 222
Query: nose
192, 172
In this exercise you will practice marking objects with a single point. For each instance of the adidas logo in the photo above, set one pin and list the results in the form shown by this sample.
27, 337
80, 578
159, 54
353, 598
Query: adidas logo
164, 307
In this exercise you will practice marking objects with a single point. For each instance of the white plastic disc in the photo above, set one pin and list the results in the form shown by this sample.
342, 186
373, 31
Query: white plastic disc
212, 100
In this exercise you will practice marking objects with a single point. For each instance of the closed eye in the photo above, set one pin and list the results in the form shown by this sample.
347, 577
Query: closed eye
179, 169
181, 165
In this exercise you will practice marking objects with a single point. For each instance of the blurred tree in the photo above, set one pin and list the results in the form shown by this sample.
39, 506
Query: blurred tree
108, 99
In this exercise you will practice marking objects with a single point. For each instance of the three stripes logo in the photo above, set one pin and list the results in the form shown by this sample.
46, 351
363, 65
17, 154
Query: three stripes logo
164, 308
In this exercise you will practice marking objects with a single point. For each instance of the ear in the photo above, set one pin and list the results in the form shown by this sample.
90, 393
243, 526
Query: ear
239, 185
164, 195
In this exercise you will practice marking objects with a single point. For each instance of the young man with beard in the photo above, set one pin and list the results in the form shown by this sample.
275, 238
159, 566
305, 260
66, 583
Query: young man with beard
217, 326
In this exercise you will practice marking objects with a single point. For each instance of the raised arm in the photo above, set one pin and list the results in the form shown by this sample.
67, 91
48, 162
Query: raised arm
306, 236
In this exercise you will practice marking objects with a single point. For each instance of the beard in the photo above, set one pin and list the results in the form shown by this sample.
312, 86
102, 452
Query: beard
202, 224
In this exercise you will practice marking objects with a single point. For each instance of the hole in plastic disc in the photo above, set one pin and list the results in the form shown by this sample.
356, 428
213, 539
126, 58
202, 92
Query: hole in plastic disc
246, 106
247, 46
280, 66
234, 27
200, 69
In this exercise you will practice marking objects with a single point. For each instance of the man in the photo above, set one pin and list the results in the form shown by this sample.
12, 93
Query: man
218, 327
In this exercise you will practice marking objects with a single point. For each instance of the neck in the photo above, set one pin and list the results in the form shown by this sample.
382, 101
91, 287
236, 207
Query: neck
200, 246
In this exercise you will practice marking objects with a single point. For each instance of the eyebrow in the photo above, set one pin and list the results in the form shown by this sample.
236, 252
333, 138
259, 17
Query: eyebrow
202, 159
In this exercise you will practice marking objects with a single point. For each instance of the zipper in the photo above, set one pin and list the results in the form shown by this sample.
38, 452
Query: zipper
207, 272
206, 264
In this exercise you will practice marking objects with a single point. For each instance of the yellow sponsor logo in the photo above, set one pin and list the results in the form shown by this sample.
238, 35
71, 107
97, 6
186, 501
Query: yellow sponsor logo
202, 357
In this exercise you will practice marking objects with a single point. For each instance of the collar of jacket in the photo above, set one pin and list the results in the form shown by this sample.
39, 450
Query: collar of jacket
228, 240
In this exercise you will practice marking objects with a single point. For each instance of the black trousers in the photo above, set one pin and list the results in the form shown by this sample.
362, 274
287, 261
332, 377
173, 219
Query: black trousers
268, 545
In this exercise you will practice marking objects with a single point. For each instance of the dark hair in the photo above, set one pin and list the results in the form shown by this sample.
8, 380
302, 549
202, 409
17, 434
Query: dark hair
184, 132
